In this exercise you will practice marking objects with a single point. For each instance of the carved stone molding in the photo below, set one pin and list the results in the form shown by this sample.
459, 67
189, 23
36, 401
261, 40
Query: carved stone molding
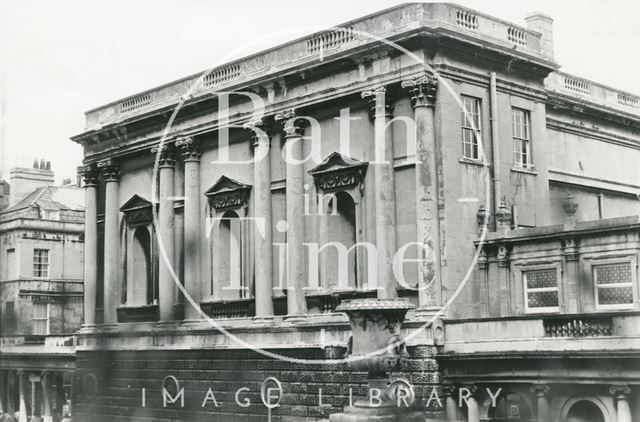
503, 217
167, 155
90, 175
228, 194
338, 172
110, 170
137, 211
570, 249
262, 125
423, 90
190, 149
483, 261
376, 98
620, 391
503, 256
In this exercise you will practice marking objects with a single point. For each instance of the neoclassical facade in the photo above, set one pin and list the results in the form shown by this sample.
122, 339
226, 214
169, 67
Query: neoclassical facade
496, 193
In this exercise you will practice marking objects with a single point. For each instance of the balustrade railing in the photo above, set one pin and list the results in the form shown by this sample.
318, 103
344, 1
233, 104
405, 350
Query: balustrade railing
144, 313
579, 326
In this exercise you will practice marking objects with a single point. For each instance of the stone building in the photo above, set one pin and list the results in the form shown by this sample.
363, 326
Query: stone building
41, 265
526, 201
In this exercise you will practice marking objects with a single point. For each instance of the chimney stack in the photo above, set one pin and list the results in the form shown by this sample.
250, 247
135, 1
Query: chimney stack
23, 181
542, 23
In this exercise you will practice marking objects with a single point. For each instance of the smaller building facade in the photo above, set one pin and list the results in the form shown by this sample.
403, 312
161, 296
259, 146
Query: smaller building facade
41, 261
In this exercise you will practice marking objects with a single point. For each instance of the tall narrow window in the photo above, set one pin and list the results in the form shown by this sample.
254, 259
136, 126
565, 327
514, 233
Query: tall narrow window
141, 267
521, 128
41, 263
41, 319
10, 272
541, 290
341, 228
10, 315
230, 255
470, 124
614, 285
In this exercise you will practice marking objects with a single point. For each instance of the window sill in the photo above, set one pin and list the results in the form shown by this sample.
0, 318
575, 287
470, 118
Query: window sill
526, 170
473, 161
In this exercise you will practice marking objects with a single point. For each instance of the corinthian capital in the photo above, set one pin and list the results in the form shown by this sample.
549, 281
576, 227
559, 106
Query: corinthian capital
423, 90
380, 104
167, 155
110, 170
261, 130
90, 174
292, 124
190, 149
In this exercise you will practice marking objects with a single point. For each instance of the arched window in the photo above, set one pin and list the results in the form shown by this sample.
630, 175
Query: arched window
585, 411
511, 407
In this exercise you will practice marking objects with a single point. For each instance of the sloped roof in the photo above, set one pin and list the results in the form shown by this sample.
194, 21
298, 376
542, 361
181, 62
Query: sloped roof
54, 198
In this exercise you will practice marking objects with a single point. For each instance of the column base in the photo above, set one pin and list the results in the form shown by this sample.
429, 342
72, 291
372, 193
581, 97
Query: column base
425, 312
262, 320
164, 325
295, 319
111, 327
87, 328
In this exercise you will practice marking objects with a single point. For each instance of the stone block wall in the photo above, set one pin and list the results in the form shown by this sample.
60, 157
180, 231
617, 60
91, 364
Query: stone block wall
121, 376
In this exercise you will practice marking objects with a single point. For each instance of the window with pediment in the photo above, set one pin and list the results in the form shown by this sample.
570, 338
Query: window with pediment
341, 257
140, 263
231, 274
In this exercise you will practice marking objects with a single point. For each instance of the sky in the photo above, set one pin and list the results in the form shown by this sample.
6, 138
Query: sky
60, 58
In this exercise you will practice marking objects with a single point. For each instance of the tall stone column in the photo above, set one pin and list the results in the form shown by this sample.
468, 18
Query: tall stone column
192, 223
262, 225
45, 381
450, 403
90, 243
22, 391
621, 394
385, 200
423, 97
541, 391
296, 265
166, 290
3, 393
473, 409
60, 397
111, 175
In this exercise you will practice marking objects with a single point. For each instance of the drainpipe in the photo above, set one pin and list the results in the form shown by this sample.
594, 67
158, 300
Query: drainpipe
495, 147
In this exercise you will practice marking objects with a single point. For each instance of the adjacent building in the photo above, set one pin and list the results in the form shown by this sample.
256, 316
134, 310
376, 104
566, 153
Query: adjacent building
41, 266
521, 180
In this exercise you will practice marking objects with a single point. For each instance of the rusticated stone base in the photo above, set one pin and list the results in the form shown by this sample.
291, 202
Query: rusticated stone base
310, 392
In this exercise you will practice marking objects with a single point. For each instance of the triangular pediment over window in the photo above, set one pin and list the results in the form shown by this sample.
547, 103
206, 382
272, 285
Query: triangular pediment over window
228, 194
137, 211
338, 172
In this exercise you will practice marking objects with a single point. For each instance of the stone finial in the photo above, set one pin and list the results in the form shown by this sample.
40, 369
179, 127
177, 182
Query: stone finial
570, 206
481, 218
503, 218
423, 90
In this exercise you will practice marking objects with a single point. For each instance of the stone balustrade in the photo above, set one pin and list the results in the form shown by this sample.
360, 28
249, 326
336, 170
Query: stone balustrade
446, 19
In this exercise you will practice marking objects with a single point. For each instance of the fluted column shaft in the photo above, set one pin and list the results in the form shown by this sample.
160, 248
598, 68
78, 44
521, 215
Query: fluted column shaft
192, 223
423, 95
296, 265
385, 200
3, 392
90, 243
111, 175
166, 290
22, 390
263, 224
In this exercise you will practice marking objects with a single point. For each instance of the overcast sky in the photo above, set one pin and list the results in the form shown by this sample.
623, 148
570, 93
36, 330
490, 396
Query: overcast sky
61, 58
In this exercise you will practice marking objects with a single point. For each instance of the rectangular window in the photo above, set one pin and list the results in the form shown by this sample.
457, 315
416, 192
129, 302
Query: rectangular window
541, 290
521, 128
10, 316
470, 121
41, 263
614, 286
11, 265
41, 319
